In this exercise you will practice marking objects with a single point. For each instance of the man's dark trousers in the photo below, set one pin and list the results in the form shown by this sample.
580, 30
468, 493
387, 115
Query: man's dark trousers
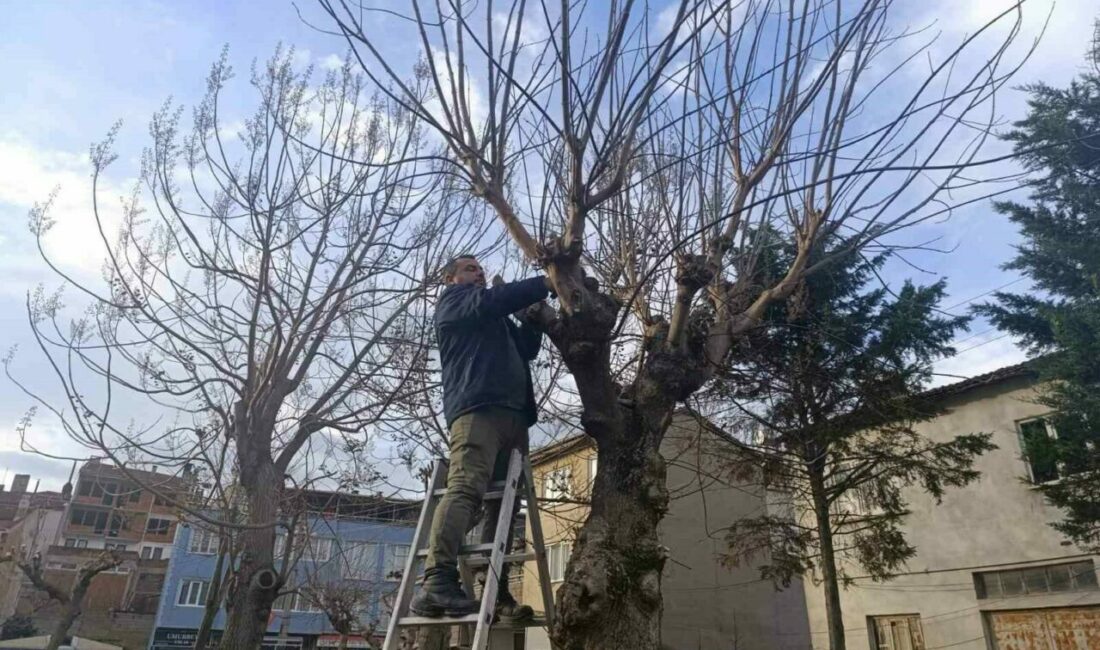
481, 445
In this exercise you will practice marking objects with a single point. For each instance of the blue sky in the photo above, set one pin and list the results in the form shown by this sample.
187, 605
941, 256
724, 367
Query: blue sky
71, 69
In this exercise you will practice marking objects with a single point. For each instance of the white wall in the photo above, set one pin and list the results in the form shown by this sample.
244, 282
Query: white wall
999, 520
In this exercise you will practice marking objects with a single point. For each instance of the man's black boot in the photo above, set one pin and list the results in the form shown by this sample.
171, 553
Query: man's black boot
442, 595
509, 611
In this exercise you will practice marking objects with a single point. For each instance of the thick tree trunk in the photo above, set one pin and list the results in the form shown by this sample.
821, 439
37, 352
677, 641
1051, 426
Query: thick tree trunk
833, 615
611, 597
69, 612
71, 609
255, 582
213, 596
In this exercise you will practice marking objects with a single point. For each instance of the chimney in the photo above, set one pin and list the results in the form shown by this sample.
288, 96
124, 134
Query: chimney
20, 482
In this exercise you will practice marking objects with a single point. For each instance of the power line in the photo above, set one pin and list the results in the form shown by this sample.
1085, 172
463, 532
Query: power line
983, 294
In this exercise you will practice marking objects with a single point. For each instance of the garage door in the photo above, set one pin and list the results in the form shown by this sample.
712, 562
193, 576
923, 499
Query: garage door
1069, 628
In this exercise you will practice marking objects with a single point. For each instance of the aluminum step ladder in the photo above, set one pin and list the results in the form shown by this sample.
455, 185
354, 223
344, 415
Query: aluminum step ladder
517, 484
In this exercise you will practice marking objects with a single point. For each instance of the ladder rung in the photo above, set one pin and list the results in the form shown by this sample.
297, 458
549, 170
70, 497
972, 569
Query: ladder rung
514, 557
469, 619
467, 549
489, 496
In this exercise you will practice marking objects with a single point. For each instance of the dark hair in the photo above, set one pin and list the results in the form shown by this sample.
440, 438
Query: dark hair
452, 265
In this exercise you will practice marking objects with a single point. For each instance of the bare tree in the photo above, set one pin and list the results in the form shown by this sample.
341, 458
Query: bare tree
72, 600
255, 298
639, 158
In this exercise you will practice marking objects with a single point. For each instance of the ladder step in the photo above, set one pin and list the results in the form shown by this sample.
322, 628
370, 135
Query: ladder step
467, 549
514, 557
470, 619
491, 495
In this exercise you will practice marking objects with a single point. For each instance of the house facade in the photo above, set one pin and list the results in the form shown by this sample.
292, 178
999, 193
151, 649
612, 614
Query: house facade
990, 573
105, 508
29, 524
706, 604
357, 542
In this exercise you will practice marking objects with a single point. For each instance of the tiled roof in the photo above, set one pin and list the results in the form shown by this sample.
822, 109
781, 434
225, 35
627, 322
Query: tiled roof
1024, 369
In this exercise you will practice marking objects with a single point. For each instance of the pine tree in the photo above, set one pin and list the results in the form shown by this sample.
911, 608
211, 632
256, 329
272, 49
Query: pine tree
835, 386
1059, 142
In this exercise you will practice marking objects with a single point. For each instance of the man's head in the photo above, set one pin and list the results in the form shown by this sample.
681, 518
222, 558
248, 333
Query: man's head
464, 269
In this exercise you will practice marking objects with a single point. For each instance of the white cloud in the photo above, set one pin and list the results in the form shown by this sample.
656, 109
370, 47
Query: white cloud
332, 62
28, 175
301, 58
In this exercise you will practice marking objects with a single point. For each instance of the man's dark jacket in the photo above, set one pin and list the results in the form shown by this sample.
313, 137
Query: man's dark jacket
484, 355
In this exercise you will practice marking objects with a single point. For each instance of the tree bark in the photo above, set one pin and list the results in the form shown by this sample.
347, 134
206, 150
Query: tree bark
255, 582
343, 642
213, 596
611, 597
833, 615
71, 607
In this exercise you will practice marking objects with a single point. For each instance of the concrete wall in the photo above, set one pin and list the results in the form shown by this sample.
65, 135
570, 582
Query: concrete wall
34, 533
997, 522
706, 605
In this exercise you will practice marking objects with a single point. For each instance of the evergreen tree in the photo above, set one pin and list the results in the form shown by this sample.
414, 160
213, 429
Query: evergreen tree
1059, 141
834, 390
17, 627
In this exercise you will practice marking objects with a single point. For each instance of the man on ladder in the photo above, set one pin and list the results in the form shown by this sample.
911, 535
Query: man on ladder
488, 401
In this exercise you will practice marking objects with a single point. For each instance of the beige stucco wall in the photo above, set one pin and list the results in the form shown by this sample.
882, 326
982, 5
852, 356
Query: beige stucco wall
706, 605
996, 521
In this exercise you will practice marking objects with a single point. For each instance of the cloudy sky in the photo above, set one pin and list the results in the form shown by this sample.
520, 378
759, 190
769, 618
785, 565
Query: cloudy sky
72, 69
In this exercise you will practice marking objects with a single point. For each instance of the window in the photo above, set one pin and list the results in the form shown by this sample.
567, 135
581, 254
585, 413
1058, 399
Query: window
1072, 576
593, 466
193, 593
393, 563
320, 549
557, 557
114, 547
1037, 439
557, 484
360, 561
152, 552
99, 521
76, 542
84, 488
1051, 454
203, 542
897, 632
135, 496
157, 526
158, 501
303, 603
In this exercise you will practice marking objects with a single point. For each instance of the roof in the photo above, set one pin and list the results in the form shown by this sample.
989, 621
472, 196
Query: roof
561, 447
1026, 369
96, 468
358, 506
1016, 371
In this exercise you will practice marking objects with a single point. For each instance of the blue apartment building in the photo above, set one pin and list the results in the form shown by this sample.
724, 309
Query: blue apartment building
355, 541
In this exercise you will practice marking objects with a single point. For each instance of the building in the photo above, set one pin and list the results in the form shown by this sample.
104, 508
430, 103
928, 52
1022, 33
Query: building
990, 572
358, 542
108, 508
707, 606
29, 524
